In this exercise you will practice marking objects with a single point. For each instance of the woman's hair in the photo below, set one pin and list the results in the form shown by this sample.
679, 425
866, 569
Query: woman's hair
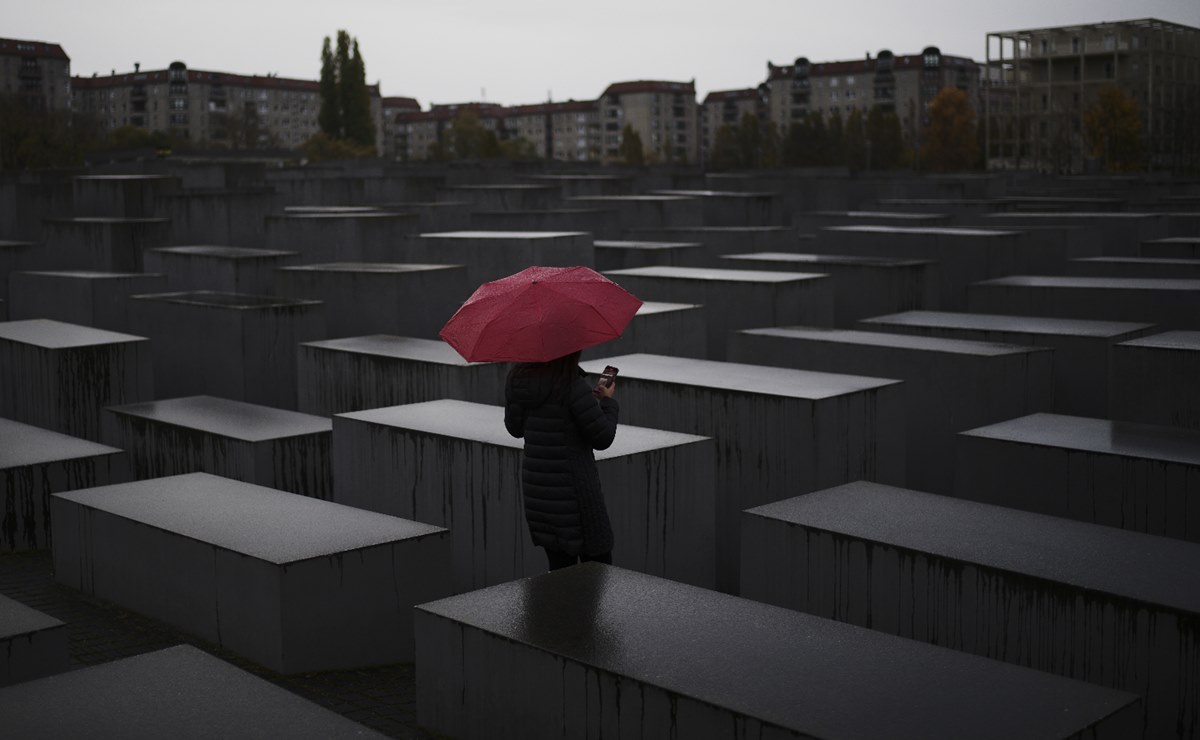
565, 367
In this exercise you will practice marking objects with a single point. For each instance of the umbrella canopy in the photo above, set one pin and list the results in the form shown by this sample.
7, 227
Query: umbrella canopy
539, 314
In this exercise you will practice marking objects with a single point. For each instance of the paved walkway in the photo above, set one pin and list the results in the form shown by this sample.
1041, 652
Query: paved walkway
380, 698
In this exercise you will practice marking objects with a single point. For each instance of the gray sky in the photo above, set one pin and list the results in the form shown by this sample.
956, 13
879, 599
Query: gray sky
520, 51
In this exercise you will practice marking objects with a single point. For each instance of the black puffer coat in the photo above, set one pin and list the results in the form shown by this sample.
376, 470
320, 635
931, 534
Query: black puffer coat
562, 422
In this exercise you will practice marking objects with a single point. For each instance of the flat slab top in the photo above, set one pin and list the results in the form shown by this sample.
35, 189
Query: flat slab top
177, 692
125, 178
658, 198
723, 229
479, 422
330, 209
810, 675
908, 342
645, 245
1094, 283
735, 194
1076, 215
91, 274
22, 444
16, 619
1174, 240
345, 215
649, 308
263, 523
716, 275
1142, 261
1188, 341
1101, 436
373, 267
215, 299
735, 377
825, 259
7, 244
399, 348
1015, 324
894, 215
923, 230
107, 220
485, 235
220, 416
500, 187
233, 253
51, 334
1129, 565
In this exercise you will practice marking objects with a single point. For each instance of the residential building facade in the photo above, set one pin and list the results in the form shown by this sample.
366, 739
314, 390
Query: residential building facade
904, 85
211, 107
418, 132
394, 143
664, 115
726, 108
37, 72
1041, 81
567, 131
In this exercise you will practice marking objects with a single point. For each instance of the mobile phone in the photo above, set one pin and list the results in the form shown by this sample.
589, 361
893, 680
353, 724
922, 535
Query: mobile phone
609, 375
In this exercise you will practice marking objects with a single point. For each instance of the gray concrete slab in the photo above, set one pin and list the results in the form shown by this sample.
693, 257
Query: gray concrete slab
36, 462
676, 329
223, 215
812, 221
491, 255
503, 196
32, 644
229, 345
964, 255
572, 186
114, 244
1135, 267
290, 582
862, 286
734, 207
414, 300
340, 237
178, 692
1139, 477
716, 241
1170, 303
84, 297
778, 431
949, 384
595, 221
452, 463
1082, 348
255, 444
1173, 247
121, 196
1121, 232
59, 376
356, 373
1154, 380
433, 216
630, 212
220, 268
907, 563
622, 254
737, 299
601, 647
16, 256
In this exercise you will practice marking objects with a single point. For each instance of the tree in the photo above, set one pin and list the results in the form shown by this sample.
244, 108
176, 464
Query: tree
726, 154
835, 139
949, 142
749, 137
770, 148
1113, 129
321, 146
884, 139
854, 143
631, 147
345, 111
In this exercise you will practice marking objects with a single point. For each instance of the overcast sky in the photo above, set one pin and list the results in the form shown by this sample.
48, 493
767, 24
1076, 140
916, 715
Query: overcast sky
524, 51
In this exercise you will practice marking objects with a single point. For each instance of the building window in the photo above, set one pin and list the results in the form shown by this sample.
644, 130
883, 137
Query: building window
1076, 46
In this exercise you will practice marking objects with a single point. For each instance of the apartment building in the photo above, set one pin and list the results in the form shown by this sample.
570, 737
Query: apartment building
394, 143
664, 115
1041, 81
37, 72
568, 131
211, 107
726, 108
903, 85
418, 131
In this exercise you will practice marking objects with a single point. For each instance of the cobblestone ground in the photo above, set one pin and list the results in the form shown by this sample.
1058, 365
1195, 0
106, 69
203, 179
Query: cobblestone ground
380, 698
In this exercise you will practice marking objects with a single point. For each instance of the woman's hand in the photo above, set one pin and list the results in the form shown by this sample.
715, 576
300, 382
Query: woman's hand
603, 390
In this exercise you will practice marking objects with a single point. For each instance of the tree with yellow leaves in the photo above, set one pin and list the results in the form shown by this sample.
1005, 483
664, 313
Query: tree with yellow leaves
1113, 129
950, 143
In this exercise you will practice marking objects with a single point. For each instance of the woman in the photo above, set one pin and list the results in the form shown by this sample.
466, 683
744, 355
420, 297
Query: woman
563, 420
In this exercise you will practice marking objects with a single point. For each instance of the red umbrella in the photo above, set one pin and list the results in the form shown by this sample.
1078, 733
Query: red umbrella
539, 314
